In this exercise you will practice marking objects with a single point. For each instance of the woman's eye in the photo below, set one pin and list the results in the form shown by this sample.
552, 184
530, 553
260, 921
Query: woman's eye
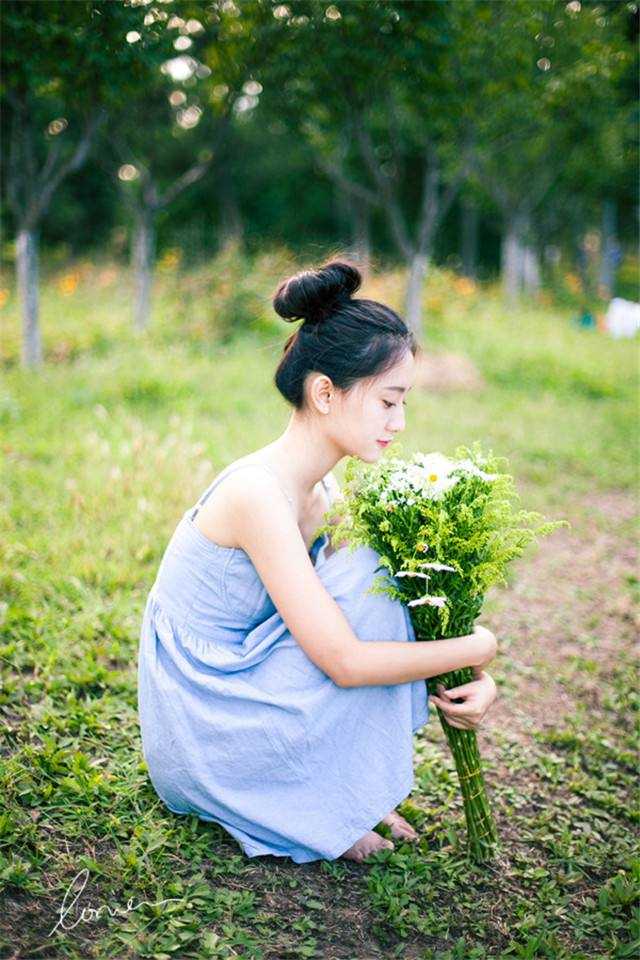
387, 404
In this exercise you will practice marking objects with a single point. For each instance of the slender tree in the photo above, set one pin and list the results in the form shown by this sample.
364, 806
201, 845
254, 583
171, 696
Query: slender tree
59, 83
180, 125
163, 141
373, 87
551, 72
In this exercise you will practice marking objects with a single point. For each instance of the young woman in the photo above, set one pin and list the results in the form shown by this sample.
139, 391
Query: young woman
275, 697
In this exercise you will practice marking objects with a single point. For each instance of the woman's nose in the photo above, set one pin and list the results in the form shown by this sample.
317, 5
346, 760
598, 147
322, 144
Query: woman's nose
397, 421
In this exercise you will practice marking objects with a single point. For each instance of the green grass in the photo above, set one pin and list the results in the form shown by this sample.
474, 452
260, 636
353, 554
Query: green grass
103, 449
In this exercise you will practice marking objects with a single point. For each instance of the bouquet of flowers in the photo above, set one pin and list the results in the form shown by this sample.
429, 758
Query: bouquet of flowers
445, 529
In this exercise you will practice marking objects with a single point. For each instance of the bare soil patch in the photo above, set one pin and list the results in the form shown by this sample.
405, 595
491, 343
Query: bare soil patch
571, 601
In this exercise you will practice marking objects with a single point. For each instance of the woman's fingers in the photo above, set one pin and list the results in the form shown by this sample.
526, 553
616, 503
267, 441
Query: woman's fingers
442, 704
461, 724
461, 691
455, 709
458, 714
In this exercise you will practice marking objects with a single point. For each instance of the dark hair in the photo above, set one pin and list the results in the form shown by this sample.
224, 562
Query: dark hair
346, 339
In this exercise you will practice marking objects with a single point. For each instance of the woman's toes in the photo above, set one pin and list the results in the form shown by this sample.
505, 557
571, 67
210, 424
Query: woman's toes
400, 828
367, 845
352, 854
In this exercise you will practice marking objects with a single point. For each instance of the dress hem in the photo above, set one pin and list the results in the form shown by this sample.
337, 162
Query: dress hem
348, 839
354, 834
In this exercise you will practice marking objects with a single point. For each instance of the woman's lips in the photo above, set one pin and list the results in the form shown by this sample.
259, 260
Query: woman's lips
383, 443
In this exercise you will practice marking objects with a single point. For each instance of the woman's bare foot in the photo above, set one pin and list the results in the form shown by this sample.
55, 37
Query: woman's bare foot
400, 828
367, 844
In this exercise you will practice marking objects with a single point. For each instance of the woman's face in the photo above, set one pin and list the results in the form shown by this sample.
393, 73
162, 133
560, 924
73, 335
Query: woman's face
373, 411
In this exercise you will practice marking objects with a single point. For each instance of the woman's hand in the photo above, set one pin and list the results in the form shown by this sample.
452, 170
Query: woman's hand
477, 697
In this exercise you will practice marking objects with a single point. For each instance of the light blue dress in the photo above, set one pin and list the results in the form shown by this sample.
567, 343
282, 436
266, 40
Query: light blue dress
241, 728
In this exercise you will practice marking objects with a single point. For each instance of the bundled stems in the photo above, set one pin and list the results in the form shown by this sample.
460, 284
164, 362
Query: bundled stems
450, 528
482, 835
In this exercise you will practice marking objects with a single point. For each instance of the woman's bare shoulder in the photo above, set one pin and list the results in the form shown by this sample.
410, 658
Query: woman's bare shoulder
235, 491
233, 468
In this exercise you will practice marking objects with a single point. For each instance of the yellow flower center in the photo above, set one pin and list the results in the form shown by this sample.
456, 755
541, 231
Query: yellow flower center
433, 477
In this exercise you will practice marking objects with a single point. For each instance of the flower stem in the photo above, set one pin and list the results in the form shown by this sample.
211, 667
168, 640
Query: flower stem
482, 834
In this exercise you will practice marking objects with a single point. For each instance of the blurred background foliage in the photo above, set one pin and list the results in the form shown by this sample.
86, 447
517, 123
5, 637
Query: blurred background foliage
496, 140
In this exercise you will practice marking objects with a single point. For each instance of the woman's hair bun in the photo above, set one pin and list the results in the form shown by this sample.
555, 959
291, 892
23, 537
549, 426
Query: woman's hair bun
313, 294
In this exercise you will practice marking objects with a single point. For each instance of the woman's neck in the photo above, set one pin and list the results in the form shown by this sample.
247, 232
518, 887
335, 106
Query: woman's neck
303, 456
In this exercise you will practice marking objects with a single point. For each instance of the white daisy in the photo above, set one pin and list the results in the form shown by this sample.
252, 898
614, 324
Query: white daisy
470, 467
432, 601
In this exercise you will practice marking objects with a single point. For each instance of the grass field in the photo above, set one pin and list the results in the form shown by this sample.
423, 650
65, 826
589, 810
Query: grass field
107, 445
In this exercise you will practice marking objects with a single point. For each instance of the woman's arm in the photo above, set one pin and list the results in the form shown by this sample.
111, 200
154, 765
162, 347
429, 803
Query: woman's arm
368, 666
387, 662
264, 526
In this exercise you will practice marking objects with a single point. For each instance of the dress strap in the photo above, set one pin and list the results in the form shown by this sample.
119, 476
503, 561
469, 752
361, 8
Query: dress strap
225, 473
271, 470
327, 491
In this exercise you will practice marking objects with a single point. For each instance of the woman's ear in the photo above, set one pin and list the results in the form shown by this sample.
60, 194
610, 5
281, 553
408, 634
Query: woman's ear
321, 392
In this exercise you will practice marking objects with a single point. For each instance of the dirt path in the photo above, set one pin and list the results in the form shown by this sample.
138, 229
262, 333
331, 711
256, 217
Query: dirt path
572, 599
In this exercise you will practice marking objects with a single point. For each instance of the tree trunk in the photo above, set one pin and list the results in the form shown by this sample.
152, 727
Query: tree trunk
27, 269
609, 250
582, 266
469, 220
360, 232
231, 225
342, 205
530, 269
530, 279
142, 259
413, 302
512, 256
353, 218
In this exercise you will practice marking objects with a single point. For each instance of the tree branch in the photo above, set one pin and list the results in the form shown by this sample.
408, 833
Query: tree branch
537, 196
41, 201
428, 216
332, 170
453, 188
495, 187
388, 199
13, 174
192, 175
198, 170
396, 138
52, 158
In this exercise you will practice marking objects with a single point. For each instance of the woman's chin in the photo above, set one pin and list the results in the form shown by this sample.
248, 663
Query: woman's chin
368, 455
